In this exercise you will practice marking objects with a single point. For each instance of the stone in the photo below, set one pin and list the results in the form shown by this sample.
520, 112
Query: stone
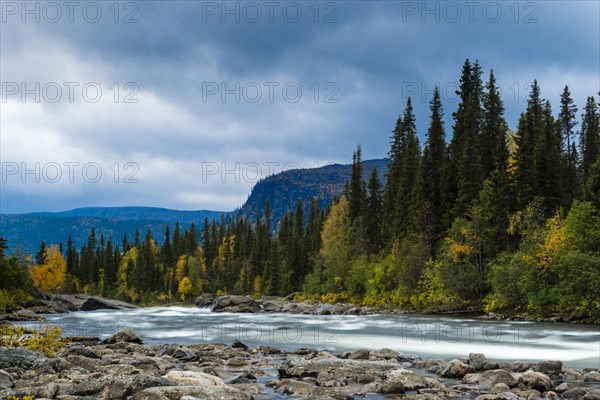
142, 382
489, 379
593, 376
235, 304
593, 394
195, 378
535, 380
19, 359
549, 367
238, 344
82, 351
402, 380
575, 393
197, 392
385, 354
480, 362
205, 300
563, 387
361, 354
124, 335
48, 391
6, 381
455, 369
84, 388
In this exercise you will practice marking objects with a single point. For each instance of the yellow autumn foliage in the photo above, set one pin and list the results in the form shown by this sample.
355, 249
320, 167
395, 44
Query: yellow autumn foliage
554, 242
50, 275
185, 287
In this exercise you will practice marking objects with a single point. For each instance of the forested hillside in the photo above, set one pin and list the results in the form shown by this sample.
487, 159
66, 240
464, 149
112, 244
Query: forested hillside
478, 215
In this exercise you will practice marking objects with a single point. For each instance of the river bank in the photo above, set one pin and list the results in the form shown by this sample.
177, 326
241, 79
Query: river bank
62, 303
123, 367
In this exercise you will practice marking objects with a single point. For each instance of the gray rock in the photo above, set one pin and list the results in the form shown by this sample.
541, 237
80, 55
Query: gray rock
593, 394
402, 380
498, 396
361, 354
83, 388
520, 366
575, 393
549, 367
6, 381
385, 354
236, 304
535, 380
593, 376
96, 303
563, 387
238, 344
489, 379
480, 362
19, 359
48, 391
198, 392
455, 369
205, 300
143, 382
124, 335
82, 351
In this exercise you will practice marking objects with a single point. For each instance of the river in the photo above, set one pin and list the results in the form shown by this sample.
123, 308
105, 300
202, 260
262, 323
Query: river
578, 346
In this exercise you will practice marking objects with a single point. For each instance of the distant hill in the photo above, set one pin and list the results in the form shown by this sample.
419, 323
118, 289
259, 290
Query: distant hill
135, 213
30, 229
285, 188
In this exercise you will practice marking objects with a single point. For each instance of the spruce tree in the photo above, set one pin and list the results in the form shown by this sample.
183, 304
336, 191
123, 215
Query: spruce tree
567, 122
589, 138
373, 213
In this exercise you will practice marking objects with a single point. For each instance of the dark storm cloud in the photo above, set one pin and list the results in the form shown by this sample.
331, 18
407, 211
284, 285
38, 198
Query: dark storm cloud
368, 57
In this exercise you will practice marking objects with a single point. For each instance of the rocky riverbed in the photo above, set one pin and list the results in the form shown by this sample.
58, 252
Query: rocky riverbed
123, 367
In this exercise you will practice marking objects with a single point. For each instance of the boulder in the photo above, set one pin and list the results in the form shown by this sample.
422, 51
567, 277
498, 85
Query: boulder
549, 367
204, 300
593, 376
489, 379
575, 393
96, 303
593, 394
360, 354
235, 304
535, 380
6, 381
238, 344
197, 392
19, 360
194, 378
402, 380
480, 362
124, 335
455, 369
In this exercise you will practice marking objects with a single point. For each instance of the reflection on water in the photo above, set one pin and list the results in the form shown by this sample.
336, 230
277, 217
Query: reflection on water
427, 336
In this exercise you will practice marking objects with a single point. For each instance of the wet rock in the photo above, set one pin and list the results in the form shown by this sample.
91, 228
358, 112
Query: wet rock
197, 392
19, 359
575, 393
549, 367
194, 378
361, 354
95, 303
456, 369
498, 396
235, 304
205, 300
124, 335
142, 382
384, 354
238, 344
520, 366
593, 394
489, 379
593, 376
403, 380
481, 363
535, 380
563, 387
572, 375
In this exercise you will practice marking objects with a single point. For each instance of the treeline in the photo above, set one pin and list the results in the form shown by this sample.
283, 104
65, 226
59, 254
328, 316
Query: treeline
494, 218
236, 257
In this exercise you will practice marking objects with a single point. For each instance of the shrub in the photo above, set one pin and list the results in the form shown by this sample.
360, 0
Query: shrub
46, 340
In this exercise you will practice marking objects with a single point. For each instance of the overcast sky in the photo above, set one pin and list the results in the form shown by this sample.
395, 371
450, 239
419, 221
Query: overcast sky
184, 104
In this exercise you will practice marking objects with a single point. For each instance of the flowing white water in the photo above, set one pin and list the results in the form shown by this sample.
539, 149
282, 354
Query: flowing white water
426, 336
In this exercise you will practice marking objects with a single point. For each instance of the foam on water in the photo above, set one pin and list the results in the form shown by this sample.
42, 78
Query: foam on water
427, 336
